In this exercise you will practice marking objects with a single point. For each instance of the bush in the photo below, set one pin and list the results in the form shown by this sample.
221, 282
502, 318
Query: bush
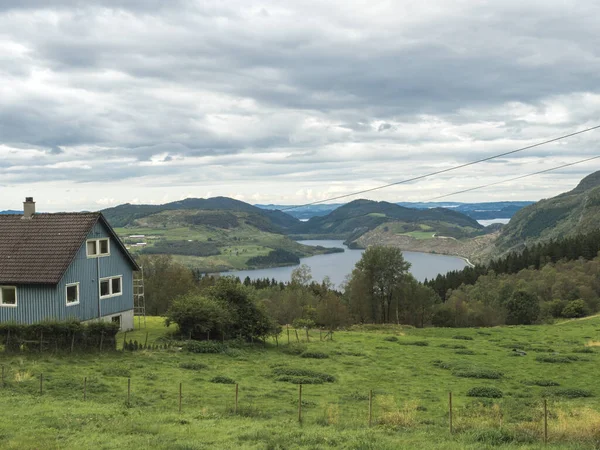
522, 308
584, 350
485, 392
417, 343
59, 335
573, 393
462, 337
303, 323
192, 366
222, 380
205, 347
543, 383
456, 346
390, 339
557, 359
314, 355
479, 373
575, 308
301, 376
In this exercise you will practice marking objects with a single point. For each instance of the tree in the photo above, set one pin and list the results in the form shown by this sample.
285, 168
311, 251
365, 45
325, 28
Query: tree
301, 275
522, 308
164, 280
378, 278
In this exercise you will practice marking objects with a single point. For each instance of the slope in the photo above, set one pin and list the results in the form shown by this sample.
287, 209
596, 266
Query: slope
568, 214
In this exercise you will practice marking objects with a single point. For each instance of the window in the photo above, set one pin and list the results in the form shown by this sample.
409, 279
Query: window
111, 287
98, 247
8, 296
72, 294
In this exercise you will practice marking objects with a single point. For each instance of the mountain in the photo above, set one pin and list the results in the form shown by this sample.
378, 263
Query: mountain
360, 216
568, 214
478, 211
127, 214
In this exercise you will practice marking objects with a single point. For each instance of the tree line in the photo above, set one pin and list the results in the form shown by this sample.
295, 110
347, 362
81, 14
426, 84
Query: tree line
535, 256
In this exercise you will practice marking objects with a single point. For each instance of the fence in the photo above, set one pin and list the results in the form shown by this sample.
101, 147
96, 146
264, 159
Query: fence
369, 418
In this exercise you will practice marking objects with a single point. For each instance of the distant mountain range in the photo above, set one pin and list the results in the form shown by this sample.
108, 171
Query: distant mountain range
478, 211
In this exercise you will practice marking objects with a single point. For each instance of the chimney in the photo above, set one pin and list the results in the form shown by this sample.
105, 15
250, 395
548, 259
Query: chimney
28, 208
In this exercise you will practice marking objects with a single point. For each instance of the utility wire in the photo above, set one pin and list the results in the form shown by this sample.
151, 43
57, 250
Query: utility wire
420, 177
513, 179
394, 205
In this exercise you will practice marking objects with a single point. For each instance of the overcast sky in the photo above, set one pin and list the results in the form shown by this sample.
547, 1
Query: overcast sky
290, 102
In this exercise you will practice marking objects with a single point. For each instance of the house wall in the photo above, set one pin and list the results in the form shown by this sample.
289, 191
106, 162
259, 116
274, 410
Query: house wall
36, 303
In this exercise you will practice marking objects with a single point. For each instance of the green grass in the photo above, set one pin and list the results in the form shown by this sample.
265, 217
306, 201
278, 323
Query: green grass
410, 406
420, 234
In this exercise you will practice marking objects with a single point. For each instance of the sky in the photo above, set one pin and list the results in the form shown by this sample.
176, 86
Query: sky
289, 102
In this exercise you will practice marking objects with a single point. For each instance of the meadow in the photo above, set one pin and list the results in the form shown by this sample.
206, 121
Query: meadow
409, 371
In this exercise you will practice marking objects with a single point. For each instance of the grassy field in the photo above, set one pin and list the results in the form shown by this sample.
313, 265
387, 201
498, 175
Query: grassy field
409, 370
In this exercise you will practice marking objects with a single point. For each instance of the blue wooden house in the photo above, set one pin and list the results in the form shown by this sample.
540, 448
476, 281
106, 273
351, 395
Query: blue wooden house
61, 266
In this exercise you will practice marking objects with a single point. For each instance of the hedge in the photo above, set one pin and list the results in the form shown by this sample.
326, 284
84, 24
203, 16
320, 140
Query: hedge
58, 335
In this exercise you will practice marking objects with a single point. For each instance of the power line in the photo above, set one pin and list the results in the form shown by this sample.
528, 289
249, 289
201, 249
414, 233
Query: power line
394, 205
513, 179
420, 177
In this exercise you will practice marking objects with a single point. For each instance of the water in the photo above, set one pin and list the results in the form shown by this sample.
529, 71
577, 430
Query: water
488, 222
338, 265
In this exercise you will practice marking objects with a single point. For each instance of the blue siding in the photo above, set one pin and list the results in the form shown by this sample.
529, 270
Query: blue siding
36, 303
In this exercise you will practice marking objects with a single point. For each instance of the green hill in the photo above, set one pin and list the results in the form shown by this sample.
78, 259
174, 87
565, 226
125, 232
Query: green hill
211, 235
352, 220
568, 214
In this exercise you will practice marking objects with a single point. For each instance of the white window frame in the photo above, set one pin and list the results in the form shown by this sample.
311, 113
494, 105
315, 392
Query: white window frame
67, 294
109, 279
8, 305
97, 254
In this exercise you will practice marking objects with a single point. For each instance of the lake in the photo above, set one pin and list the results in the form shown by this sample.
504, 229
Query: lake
338, 265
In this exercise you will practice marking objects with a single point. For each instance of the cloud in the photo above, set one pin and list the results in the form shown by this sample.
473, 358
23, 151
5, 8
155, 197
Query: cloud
290, 102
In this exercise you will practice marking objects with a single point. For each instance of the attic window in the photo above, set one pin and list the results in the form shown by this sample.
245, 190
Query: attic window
98, 247
8, 296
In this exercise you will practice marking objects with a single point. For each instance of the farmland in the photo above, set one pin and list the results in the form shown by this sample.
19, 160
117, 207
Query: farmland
409, 370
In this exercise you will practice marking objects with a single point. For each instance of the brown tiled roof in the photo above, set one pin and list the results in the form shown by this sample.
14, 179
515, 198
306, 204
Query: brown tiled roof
39, 250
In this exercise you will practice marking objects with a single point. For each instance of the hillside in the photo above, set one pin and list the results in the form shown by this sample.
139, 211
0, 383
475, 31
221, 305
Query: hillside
127, 214
210, 239
356, 218
568, 214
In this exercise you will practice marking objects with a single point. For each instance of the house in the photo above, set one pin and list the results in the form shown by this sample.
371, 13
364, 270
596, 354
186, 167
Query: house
62, 266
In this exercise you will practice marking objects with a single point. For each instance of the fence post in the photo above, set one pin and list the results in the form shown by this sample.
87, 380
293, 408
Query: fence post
41, 383
124, 340
300, 403
450, 410
180, 397
236, 398
84, 388
146, 341
545, 422
101, 340
297, 338
370, 407
128, 391
72, 342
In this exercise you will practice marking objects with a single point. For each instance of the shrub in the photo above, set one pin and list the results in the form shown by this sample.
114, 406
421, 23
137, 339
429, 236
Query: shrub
314, 355
457, 346
485, 392
575, 308
543, 383
417, 343
465, 352
442, 365
478, 373
462, 337
390, 339
205, 347
522, 308
222, 380
557, 359
299, 376
303, 323
193, 366
584, 350
573, 393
